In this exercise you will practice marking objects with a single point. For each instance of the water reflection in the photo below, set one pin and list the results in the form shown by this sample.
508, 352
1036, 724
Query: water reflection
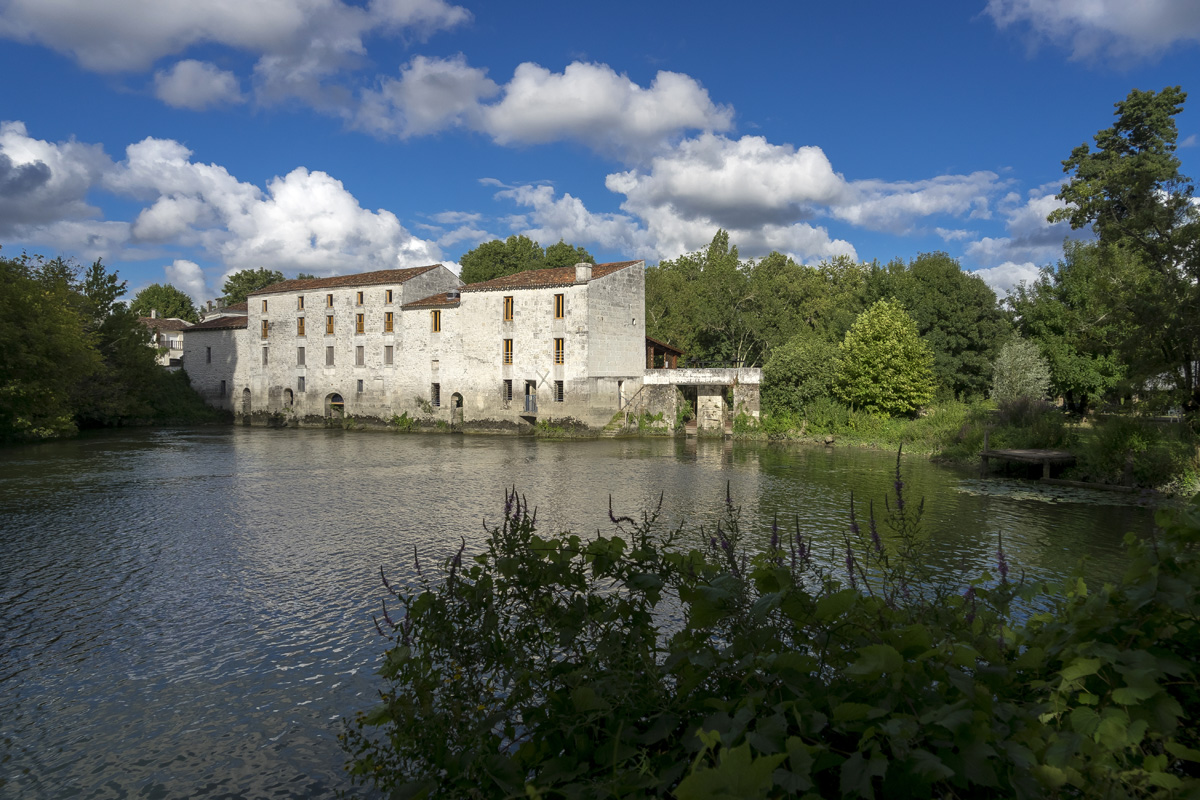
187, 613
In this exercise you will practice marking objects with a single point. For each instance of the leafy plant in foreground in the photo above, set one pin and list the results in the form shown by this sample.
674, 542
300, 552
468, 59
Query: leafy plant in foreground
626, 666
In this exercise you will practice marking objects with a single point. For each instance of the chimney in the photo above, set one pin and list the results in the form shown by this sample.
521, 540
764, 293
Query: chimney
583, 272
153, 313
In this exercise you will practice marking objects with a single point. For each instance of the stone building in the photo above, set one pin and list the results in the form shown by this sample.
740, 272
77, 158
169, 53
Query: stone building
556, 344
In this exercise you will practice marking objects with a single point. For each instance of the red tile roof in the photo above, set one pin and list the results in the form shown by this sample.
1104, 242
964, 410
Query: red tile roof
341, 281
443, 300
164, 323
544, 278
219, 324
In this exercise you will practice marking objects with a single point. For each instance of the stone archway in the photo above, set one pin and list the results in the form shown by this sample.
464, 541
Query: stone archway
288, 398
456, 409
335, 407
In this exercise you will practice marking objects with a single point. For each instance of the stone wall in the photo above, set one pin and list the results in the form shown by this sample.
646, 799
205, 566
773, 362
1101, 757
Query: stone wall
378, 374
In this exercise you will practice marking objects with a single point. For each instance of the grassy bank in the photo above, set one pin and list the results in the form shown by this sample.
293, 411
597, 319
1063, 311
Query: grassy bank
1150, 454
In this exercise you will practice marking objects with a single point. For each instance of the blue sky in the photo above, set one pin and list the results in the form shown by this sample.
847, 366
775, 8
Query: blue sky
181, 140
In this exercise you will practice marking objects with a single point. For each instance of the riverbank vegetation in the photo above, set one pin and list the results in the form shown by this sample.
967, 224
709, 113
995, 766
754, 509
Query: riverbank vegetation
640, 665
72, 356
1111, 333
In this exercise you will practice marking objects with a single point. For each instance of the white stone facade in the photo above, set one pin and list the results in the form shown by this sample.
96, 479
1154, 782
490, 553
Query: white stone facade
316, 349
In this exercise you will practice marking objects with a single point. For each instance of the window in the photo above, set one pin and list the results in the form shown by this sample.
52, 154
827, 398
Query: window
299, 356
358, 323
300, 303
558, 391
387, 297
387, 322
358, 298
508, 351
208, 355
264, 306
265, 349
560, 351
358, 356
264, 329
387, 354
329, 323
299, 326
300, 384
508, 309
560, 306
435, 321
360, 387
506, 391
329, 301
329, 356
435, 395
222, 388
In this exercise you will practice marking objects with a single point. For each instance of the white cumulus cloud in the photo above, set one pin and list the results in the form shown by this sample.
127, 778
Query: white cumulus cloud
126, 35
1005, 277
594, 104
43, 182
305, 220
431, 94
1121, 28
188, 277
196, 85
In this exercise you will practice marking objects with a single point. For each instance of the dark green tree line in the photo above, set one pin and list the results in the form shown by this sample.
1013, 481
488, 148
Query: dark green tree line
497, 258
72, 355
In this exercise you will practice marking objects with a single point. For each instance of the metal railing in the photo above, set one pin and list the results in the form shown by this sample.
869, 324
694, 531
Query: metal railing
530, 404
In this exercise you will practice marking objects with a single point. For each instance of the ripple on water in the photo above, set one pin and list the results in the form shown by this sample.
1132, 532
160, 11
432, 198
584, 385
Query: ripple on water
187, 613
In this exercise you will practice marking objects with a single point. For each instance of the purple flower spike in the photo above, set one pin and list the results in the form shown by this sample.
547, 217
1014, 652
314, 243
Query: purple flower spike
969, 596
775, 534
850, 567
1002, 564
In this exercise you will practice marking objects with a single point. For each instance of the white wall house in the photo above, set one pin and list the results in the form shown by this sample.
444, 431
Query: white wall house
378, 344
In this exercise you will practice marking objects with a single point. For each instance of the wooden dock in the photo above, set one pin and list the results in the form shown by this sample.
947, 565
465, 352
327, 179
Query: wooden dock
1043, 457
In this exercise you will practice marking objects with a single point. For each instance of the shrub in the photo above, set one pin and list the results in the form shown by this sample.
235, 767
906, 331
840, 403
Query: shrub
884, 367
1158, 454
627, 666
1020, 372
798, 373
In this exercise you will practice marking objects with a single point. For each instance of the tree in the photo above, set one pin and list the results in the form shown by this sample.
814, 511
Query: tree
798, 373
1020, 372
957, 315
166, 300
305, 276
240, 284
703, 304
496, 258
566, 255
885, 367
1130, 192
46, 350
1069, 311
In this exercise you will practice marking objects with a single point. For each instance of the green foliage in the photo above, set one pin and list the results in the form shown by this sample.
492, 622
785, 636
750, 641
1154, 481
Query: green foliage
46, 349
403, 422
566, 255
1020, 371
884, 367
1154, 453
496, 258
956, 314
166, 300
71, 355
240, 284
799, 373
629, 666
1130, 192
716, 307
1069, 312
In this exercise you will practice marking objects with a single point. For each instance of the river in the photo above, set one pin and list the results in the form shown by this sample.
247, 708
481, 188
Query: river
187, 613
